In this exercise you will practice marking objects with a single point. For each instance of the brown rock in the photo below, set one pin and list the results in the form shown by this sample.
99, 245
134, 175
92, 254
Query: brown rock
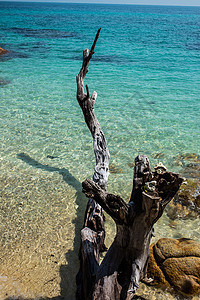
176, 263
178, 248
3, 51
154, 271
177, 270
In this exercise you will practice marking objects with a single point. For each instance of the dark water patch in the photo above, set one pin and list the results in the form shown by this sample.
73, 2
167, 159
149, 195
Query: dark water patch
115, 59
63, 57
23, 45
195, 46
4, 82
13, 54
39, 47
19, 55
43, 33
4, 57
27, 45
111, 59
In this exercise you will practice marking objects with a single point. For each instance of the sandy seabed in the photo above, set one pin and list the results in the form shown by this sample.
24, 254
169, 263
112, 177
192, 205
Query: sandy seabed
41, 217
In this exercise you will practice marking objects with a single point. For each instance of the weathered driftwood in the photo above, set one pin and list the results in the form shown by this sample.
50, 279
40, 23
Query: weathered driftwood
93, 232
126, 261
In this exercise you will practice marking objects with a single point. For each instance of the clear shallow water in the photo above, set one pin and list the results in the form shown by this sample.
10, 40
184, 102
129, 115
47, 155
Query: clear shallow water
146, 73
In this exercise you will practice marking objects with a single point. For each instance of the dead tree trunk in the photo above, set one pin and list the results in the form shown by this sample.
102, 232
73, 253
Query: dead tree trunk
126, 261
93, 232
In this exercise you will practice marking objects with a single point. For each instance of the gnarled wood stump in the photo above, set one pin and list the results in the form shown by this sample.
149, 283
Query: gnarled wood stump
125, 263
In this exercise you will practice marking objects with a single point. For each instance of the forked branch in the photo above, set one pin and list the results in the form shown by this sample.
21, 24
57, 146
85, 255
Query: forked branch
115, 206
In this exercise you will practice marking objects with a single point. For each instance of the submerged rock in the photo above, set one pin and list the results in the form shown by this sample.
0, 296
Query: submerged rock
186, 204
176, 263
131, 165
4, 82
179, 211
114, 169
3, 51
190, 193
190, 163
158, 155
189, 156
192, 170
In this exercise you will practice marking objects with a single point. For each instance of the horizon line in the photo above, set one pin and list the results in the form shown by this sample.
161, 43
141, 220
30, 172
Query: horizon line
62, 2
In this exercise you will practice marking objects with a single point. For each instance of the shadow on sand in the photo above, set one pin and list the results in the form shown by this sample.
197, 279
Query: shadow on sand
71, 255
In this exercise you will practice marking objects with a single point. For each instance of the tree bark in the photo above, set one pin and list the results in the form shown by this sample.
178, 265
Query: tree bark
126, 261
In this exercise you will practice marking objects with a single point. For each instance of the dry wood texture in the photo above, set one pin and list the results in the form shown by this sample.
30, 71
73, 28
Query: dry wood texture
125, 263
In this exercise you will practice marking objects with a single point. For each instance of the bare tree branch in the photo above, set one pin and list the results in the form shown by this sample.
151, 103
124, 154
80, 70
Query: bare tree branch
125, 263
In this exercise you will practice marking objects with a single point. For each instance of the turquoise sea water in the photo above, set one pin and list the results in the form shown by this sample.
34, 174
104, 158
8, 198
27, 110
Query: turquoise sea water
146, 73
